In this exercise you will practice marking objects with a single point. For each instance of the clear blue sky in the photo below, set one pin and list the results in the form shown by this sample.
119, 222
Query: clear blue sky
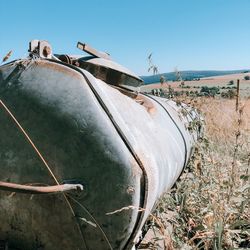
189, 34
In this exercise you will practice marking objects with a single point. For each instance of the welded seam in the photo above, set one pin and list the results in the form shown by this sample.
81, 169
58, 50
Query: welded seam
124, 139
182, 136
188, 114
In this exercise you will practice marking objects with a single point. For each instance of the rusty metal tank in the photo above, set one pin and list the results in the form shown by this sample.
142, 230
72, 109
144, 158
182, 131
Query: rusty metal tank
83, 160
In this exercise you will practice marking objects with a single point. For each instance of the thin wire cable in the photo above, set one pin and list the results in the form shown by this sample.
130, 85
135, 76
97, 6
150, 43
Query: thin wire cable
30, 141
93, 218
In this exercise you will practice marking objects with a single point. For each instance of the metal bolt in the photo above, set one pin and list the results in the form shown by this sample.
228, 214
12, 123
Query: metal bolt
46, 51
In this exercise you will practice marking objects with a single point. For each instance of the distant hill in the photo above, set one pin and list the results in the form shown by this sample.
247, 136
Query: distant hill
190, 75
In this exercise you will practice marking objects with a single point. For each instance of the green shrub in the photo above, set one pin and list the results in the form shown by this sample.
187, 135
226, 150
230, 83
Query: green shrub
210, 91
229, 94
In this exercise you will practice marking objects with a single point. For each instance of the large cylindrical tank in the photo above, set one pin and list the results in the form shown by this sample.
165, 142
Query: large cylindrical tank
125, 153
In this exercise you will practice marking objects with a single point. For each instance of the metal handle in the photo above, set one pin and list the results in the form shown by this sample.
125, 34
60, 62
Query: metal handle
13, 187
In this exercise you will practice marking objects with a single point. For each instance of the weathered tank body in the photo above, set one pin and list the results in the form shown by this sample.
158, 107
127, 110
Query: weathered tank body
61, 125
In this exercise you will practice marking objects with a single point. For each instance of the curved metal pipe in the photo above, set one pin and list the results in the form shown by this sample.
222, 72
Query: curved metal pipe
19, 188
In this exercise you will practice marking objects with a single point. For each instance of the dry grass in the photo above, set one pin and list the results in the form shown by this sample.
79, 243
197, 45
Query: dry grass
209, 206
221, 118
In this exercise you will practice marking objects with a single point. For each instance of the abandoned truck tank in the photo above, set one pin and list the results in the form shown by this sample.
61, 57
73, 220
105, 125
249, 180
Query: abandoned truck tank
77, 147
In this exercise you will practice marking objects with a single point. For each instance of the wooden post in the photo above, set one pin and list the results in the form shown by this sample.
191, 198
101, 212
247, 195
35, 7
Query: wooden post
237, 95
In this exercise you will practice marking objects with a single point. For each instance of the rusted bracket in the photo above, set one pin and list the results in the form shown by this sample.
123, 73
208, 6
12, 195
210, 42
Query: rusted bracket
40, 47
85, 47
18, 188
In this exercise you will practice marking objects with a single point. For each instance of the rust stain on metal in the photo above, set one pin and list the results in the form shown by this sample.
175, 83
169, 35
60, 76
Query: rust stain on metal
141, 99
130, 190
146, 103
60, 68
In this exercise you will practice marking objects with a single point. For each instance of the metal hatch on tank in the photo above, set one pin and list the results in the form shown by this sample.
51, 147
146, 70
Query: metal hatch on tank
83, 159
100, 65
